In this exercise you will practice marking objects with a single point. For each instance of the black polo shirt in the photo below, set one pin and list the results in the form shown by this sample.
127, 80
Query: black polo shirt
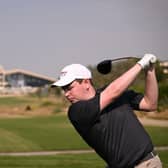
114, 133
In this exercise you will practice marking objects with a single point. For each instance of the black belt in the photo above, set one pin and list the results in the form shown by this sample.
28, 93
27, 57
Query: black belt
148, 156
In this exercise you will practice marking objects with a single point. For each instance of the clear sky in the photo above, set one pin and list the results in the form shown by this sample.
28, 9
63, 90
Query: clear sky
43, 36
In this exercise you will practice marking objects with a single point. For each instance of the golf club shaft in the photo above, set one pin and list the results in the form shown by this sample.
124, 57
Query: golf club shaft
105, 66
121, 58
153, 60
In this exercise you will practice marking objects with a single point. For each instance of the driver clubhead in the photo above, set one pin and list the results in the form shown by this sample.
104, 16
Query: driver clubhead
104, 67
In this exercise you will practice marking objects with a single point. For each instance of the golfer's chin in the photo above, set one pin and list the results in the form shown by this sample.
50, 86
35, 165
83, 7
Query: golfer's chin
76, 100
73, 100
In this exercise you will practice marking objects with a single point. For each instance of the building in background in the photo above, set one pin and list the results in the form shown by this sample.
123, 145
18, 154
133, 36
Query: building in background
21, 81
164, 64
2, 78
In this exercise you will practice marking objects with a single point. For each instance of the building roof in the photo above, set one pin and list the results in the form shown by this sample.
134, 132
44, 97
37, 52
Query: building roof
25, 72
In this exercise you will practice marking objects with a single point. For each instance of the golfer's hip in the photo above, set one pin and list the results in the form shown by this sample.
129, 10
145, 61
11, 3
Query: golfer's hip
152, 160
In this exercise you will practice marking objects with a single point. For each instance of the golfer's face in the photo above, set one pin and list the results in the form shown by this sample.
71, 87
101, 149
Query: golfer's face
75, 91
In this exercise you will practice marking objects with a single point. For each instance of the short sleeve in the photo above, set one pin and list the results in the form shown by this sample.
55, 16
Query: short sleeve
135, 99
83, 114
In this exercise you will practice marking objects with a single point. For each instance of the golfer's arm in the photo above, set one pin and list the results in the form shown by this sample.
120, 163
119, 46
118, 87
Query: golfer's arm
118, 86
150, 100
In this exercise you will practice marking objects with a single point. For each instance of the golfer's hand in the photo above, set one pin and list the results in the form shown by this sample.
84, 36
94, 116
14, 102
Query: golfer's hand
147, 60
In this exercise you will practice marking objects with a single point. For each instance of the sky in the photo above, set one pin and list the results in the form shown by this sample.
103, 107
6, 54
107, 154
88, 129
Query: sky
43, 36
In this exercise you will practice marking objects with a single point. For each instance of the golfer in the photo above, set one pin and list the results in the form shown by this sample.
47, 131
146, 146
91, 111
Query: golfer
105, 119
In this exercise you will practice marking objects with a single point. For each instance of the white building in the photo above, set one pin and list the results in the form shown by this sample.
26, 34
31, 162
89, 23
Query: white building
164, 64
18, 79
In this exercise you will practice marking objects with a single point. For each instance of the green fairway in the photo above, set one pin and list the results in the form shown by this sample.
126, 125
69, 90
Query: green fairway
52, 133
55, 133
38, 134
61, 161
13, 101
164, 158
57, 161
159, 135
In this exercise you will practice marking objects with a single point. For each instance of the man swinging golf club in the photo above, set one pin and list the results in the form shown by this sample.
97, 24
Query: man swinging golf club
105, 119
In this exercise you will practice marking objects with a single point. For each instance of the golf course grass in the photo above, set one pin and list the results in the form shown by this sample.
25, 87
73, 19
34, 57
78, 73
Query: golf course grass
55, 133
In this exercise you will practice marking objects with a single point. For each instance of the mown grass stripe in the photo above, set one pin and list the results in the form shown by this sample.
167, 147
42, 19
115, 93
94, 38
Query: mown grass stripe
10, 141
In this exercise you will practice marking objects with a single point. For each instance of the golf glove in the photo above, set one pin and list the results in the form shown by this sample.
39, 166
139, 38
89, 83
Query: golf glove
147, 60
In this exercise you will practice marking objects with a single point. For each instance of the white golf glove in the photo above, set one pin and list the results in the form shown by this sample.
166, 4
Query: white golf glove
147, 60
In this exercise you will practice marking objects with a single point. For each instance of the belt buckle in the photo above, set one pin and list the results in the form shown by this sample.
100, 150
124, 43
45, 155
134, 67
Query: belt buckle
153, 153
149, 156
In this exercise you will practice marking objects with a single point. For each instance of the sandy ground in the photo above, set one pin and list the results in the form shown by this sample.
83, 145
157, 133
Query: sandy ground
153, 122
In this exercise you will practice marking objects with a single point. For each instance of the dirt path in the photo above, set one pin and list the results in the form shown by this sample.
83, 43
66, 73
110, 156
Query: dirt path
44, 153
153, 122
40, 153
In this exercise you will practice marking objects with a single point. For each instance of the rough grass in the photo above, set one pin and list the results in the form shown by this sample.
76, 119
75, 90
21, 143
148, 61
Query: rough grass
35, 106
31, 106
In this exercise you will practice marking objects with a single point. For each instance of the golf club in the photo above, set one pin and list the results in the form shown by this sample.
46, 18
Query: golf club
104, 67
